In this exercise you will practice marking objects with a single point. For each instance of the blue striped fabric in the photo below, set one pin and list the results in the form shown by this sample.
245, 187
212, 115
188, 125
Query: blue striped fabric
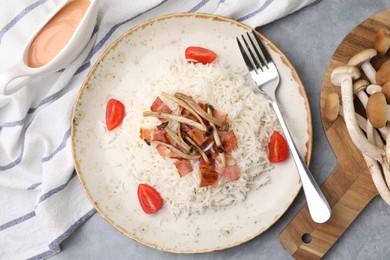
33, 147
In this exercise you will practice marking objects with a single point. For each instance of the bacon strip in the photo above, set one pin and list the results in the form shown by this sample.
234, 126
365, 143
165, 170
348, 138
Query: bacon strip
231, 172
154, 135
163, 150
228, 140
208, 174
183, 166
220, 115
159, 106
198, 136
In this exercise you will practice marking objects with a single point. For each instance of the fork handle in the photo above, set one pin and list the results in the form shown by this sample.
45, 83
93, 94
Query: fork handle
318, 206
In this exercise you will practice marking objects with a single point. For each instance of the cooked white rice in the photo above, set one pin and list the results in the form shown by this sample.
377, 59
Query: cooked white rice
228, 89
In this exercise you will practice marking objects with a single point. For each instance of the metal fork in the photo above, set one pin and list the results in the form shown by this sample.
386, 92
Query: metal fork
264, 72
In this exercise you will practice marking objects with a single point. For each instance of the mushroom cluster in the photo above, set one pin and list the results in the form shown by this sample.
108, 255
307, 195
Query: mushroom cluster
371, 132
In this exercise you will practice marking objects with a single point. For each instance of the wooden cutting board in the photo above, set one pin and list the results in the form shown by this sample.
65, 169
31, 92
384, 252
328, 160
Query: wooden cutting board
349, 188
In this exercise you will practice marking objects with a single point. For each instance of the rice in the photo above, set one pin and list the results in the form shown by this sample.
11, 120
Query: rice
226, 88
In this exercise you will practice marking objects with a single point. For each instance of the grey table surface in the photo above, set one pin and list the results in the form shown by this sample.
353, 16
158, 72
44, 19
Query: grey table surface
308, 38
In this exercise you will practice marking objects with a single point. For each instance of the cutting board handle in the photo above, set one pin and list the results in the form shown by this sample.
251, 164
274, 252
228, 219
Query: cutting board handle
305, 239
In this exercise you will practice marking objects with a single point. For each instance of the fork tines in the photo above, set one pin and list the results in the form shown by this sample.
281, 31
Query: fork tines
254, 52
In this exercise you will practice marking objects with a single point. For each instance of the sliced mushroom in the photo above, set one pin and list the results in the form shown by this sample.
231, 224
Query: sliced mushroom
383, 74
363, 59
180, 119
199, 110
201, 152
343, 76
220, 149
177, 140
382, 41
178, 152
184, 105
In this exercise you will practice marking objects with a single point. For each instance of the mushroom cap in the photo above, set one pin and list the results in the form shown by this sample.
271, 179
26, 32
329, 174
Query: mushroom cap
386, 91
383, 74
377, 110
331, 107
339, 73
361, 57
382, 41
360, 85
373, 88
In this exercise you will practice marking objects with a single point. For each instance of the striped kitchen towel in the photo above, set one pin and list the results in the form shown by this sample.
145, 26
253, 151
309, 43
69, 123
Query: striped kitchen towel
41, 199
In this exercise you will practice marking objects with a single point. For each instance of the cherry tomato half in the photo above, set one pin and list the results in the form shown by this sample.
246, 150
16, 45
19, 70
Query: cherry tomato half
277, 148
149, 199
198, 54
115, 111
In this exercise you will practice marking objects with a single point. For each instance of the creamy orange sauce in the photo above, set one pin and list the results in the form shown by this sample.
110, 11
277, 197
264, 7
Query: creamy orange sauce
56, 33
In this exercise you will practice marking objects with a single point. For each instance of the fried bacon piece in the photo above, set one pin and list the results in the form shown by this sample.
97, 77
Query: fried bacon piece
208, 174
149, 134
231, 172
183, 166
198, 136
202, 134
229, 141
159, 106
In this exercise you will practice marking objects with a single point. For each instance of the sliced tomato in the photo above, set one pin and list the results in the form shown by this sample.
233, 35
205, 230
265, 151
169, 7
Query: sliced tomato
149, 199
115, 111
198, 54
277, 148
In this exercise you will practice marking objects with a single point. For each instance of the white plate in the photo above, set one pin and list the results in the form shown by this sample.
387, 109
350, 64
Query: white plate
129, 61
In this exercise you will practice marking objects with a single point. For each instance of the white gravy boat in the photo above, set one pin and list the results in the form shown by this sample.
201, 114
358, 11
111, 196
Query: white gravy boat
68, 53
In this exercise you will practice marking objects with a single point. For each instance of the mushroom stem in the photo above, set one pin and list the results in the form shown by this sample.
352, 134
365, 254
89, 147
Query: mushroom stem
386, 168
342, 76
362, 59
373, 88
369, 71
377, 178
372, 134
359, 88
385, 165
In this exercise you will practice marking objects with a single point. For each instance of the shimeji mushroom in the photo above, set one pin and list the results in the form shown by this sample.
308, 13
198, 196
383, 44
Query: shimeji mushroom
382, 41
332, 109
383, 74
386, 91
363, 59
377, 110
343, 76
378, 179
378, 113
373, 88
359, 87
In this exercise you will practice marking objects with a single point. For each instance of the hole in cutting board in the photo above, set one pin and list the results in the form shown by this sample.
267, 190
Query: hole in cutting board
306, 238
